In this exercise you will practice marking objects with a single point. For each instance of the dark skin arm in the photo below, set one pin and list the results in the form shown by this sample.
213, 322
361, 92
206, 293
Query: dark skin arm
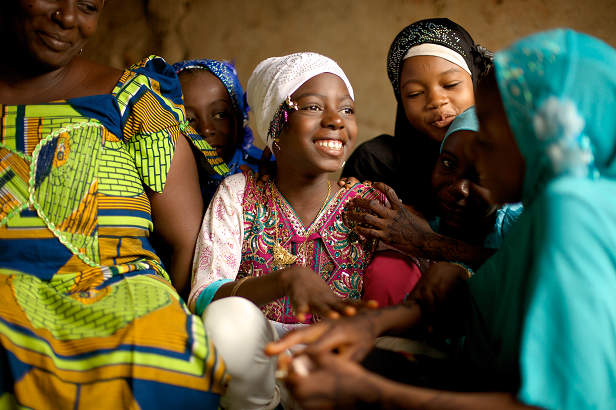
177, 213
436, 306
337, 383
407, 230
306, 290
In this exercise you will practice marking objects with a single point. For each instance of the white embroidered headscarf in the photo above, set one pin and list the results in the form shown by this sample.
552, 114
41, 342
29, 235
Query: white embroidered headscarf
277, 78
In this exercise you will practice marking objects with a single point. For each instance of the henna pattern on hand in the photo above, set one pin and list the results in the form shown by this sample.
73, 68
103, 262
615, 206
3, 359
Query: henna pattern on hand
406, 230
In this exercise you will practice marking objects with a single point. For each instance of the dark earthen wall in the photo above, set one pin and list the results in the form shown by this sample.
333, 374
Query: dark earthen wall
355, 33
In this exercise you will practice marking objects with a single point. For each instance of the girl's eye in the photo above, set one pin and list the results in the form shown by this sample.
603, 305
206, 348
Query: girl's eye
414, 95
221, 115
449, 164
190, 120
313, 107
348, 111
453, 85
87, 7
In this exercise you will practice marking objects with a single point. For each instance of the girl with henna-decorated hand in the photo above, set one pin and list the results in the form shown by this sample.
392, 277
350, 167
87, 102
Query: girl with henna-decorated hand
538, 316
468, 228
434, 66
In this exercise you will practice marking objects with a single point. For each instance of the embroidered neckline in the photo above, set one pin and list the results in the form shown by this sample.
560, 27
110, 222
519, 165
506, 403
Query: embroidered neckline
290, 215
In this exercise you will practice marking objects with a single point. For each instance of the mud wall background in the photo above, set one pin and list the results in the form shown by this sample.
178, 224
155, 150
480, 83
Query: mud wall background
355, 33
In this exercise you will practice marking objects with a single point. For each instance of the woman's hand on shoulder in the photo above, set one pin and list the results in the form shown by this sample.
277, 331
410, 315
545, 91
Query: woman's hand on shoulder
401, 227
267, 167
351, 182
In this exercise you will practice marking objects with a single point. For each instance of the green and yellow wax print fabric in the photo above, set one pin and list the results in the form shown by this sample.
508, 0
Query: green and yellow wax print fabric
88, 318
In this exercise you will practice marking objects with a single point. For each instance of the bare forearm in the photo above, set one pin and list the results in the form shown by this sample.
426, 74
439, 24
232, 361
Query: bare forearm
438, 247
177, 214
397, 320
411, 235
180, 263
260, 290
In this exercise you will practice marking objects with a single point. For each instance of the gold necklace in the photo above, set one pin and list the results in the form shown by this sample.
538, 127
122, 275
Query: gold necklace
282, 256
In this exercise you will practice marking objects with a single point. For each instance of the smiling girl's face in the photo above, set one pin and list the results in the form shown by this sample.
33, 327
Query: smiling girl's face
320, 134
459, 199
434, 91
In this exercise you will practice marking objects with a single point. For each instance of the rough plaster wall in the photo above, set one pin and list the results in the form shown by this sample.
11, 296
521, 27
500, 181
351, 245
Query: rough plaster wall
355, 33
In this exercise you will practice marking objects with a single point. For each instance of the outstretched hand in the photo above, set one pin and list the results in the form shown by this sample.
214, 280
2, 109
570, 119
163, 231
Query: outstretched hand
309, 293
401, 227
332, 382
351, 337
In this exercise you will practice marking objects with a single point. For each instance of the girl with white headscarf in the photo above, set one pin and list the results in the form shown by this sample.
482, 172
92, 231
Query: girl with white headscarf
539, 316
284, 245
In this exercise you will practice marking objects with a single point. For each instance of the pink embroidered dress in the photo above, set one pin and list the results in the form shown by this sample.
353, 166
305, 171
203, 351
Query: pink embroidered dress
243, 224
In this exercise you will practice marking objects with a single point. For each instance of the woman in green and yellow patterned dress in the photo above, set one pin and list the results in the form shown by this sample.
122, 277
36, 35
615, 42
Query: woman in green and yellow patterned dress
93, 161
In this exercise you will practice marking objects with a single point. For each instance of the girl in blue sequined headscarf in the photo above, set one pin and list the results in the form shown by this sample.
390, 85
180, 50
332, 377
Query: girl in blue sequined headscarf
405, 161
540, 315
216, 107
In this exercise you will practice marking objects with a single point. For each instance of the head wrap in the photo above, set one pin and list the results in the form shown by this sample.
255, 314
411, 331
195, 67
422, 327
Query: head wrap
442, 32
556, 269
445, 33
436, 50
559, 93
227, 74
467, 121
277, 78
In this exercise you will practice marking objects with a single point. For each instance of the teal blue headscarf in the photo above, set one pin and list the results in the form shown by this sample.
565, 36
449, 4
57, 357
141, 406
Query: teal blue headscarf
558, 89
507, 215
467, 121
543, 308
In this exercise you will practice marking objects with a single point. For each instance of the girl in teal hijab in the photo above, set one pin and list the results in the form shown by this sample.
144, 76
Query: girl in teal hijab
544, 307
540, 315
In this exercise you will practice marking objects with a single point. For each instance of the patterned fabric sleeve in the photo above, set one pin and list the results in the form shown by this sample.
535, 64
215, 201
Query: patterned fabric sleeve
153, 117
218, 253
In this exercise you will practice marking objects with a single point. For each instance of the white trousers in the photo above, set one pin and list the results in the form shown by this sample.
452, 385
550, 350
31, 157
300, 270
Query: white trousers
240, 331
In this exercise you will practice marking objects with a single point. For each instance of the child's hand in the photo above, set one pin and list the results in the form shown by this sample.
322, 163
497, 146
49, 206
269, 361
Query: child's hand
350, 182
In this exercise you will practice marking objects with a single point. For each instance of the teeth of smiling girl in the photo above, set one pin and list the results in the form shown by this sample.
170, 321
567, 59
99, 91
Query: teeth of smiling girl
333, 144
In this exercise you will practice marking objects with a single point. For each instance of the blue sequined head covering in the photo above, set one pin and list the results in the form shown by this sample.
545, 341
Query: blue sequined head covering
446, 33
439, 31
227, 74
467, 121
559, 93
